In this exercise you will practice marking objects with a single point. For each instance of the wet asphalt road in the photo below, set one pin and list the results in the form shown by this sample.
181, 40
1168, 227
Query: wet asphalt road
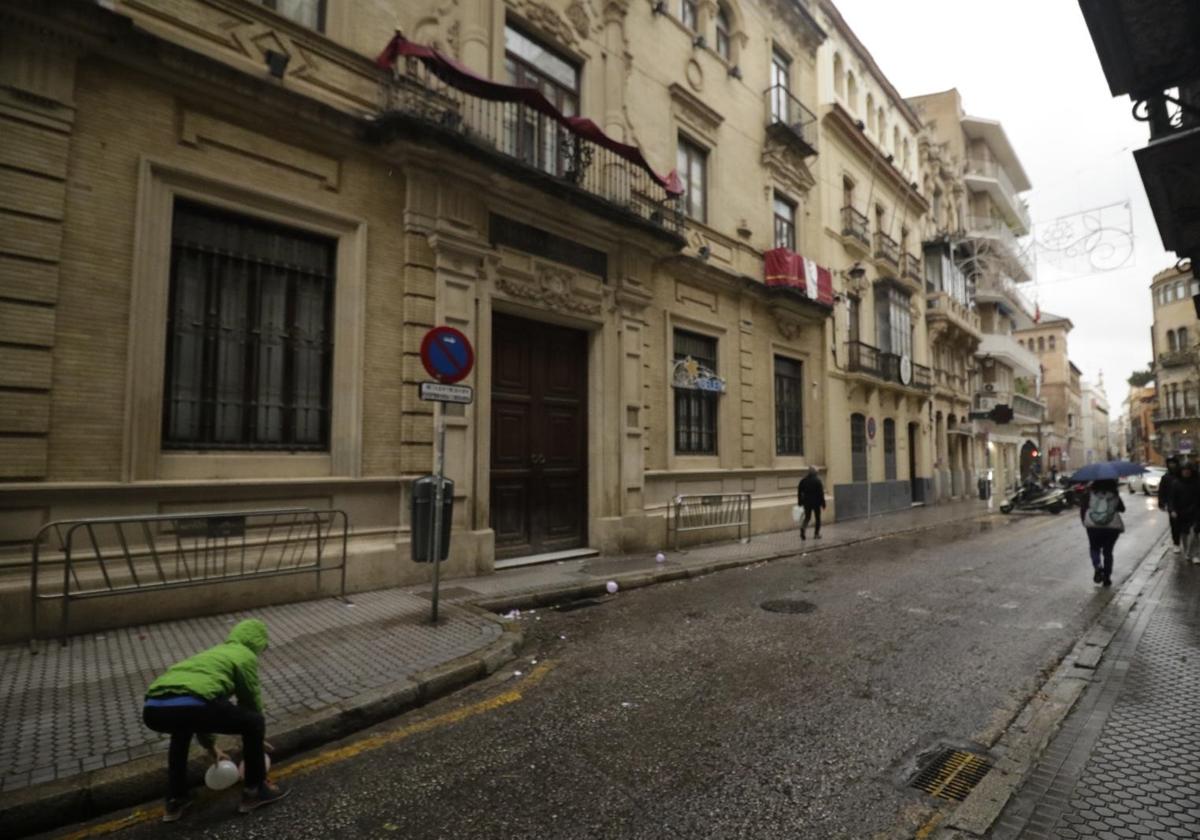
686, 711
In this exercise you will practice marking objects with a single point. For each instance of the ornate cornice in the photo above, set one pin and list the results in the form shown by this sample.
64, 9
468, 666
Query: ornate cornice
551, 287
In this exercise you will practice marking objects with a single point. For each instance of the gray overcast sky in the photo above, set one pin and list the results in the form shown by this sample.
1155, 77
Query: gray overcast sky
1032, 65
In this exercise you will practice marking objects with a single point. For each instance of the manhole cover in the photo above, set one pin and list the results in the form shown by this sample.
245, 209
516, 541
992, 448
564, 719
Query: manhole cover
951, 774
792, 606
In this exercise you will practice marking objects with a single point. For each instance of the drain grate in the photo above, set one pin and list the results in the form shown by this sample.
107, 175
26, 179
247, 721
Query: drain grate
793, 606
952, 774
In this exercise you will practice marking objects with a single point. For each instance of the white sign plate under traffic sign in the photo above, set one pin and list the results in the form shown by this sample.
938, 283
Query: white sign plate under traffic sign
440, 392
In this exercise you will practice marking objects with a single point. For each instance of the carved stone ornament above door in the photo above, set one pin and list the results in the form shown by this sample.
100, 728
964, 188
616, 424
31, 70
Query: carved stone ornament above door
551, 287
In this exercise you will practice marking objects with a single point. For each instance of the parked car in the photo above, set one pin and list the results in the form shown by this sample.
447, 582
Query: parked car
1147, 482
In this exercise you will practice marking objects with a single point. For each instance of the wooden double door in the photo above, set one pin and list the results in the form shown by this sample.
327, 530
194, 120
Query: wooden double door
539, 437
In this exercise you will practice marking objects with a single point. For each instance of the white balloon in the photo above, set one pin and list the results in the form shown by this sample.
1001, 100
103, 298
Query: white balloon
221, 775
612, 587
242, 766
660, 558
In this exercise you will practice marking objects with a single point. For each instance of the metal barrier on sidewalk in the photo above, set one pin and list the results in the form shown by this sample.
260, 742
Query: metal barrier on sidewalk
119, 555
702, 512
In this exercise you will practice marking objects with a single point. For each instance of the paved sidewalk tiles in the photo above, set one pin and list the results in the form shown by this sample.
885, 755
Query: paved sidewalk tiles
1126, 763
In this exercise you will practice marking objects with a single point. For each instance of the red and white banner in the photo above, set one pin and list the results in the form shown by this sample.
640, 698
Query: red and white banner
789, 269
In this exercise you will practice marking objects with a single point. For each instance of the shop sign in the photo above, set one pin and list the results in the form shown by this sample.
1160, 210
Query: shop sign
690, 375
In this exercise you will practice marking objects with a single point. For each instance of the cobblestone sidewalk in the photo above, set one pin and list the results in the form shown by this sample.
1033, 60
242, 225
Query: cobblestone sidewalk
1126, 763
68, 710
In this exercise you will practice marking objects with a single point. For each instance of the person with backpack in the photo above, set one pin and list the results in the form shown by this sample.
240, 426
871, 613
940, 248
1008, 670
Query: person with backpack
1185, 506
1100, 513
192, 698
810, 495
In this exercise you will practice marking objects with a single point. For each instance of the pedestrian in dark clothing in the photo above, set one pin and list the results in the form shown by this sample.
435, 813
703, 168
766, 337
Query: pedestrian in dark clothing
1185, 506
1164, 498
191, 698
1100, 512
810, 495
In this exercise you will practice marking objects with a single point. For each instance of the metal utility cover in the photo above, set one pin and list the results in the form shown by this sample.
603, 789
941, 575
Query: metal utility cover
951, 774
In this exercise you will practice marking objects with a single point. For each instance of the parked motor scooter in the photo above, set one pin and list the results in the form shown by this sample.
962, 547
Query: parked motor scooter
1032, 497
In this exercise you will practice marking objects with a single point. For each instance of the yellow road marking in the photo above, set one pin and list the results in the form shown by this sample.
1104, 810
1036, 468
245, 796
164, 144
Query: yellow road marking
927, 829
323, 759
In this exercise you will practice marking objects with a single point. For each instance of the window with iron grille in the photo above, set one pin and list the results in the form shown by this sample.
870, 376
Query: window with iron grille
889, 449
249, 334
858, 447
696, 411
310, 13
690, 164
789, 407
785, 223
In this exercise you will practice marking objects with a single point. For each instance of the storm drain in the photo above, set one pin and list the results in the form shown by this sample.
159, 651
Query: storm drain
792, 606
581, 604
952, 774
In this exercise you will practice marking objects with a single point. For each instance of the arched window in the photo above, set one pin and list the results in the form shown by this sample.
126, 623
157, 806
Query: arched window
1179, 290
689, 13
881, 123
896, 142
889, 449
906, 157
858, 447
724, 34
1183, 338
871, 124
1172, 344
851, 93
1041, 344
1052, 342
839, 76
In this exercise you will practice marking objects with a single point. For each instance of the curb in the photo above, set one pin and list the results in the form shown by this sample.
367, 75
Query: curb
1030, 732
90, 795
636, 580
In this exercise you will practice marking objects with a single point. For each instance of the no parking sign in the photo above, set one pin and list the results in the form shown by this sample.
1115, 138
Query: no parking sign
447, 354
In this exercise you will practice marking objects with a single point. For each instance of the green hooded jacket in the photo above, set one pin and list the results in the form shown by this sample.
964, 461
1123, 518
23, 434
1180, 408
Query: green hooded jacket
229, 668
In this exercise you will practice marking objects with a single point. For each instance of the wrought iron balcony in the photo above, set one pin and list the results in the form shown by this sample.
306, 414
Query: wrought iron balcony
912, 269
789, 121
1025, 409
854, 226
887, 249
528, 144
863, 358
1177, 358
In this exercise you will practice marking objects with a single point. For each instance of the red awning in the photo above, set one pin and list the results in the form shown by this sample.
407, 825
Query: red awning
459, 76
787, 268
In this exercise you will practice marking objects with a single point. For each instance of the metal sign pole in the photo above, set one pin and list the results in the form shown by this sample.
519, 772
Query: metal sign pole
435, 535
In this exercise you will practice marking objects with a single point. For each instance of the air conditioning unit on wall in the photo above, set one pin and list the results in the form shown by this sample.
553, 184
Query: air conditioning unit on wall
989, 387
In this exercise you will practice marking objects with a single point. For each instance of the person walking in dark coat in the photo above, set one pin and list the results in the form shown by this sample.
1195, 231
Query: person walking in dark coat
1100, 512
1164, 497
810, 495
1185, 507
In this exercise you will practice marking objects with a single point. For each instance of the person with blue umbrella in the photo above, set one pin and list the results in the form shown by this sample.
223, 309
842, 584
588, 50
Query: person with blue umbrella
1100, 512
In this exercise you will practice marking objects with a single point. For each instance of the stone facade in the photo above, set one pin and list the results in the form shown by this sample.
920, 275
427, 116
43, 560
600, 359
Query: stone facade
1176, 363
441, 207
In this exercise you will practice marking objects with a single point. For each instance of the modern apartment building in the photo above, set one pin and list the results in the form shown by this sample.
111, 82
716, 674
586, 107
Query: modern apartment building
1175, 336
1095, 423
978, 219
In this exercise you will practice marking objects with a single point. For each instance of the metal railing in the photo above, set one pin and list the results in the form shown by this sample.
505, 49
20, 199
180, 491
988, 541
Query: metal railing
912, 268
1177, 358
1179, 412
119, 555
545, 149
863, 358
1028, 407
854, 225
785, 111
943, 303
703, 512
992, 169
986, 227
991, 284
887, 249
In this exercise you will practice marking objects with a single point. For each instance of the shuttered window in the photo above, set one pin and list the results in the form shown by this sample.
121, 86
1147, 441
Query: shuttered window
249, 334
858, 447
889, 449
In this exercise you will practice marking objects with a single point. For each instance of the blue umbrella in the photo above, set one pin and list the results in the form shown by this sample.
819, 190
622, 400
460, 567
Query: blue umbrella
1107, 470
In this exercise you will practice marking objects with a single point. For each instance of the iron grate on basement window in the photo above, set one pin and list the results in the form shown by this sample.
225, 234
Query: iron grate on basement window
952, 774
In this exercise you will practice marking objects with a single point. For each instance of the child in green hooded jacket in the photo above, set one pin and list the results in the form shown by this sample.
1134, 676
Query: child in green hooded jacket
192, 698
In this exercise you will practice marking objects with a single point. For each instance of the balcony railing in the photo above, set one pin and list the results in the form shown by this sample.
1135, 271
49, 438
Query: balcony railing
1023, 406
529, 142
912, 269
1177, 358
854, 225
1010, 246
991, 169
788, 119
990, 285
942, 304
863, 358
1177, 412
1025, 409
887, 249
949, 379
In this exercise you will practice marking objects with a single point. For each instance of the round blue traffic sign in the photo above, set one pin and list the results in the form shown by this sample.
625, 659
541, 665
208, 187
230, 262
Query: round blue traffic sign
447, 354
